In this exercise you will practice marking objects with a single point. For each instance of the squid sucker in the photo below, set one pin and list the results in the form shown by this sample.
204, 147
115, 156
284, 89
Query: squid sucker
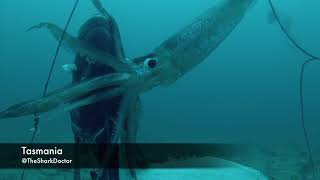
172, 59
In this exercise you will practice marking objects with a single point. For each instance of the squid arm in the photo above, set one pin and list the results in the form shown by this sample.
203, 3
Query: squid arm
66, 95
100, 8
98, 5
82, 48
107, 94
132, 122
128, 100
130, 136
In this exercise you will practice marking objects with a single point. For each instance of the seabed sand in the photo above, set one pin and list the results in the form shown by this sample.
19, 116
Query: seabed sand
289, 162
275, 164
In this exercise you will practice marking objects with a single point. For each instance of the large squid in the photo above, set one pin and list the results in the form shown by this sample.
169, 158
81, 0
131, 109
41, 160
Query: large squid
171, 60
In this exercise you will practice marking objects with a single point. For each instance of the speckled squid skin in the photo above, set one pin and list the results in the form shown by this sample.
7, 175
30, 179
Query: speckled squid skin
194, 43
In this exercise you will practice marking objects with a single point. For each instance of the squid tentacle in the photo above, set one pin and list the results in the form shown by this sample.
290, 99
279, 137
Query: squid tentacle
127, 102
95, 98
100, 8
104, 95
82, 48
129, 99
66, 95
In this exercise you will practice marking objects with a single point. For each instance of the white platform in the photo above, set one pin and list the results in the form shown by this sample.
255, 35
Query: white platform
221, 170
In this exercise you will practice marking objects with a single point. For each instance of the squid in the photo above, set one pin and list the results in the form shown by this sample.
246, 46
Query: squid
168, 62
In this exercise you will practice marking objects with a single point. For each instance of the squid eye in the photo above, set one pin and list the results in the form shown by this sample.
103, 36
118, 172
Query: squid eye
151, 63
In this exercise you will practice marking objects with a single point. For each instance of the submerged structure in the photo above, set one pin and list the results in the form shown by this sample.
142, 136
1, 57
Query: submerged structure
94, 123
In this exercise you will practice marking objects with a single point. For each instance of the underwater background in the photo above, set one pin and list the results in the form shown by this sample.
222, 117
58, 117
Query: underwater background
247, 91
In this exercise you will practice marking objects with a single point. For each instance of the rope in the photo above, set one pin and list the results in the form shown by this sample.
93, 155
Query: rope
36, 116
312, 58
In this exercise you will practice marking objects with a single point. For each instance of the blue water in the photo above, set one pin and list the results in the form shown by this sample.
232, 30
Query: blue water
246, 91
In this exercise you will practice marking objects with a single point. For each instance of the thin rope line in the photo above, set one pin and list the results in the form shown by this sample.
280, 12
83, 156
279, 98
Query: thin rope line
285, 31
313, 58
58, 48
37, 118
307, 141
